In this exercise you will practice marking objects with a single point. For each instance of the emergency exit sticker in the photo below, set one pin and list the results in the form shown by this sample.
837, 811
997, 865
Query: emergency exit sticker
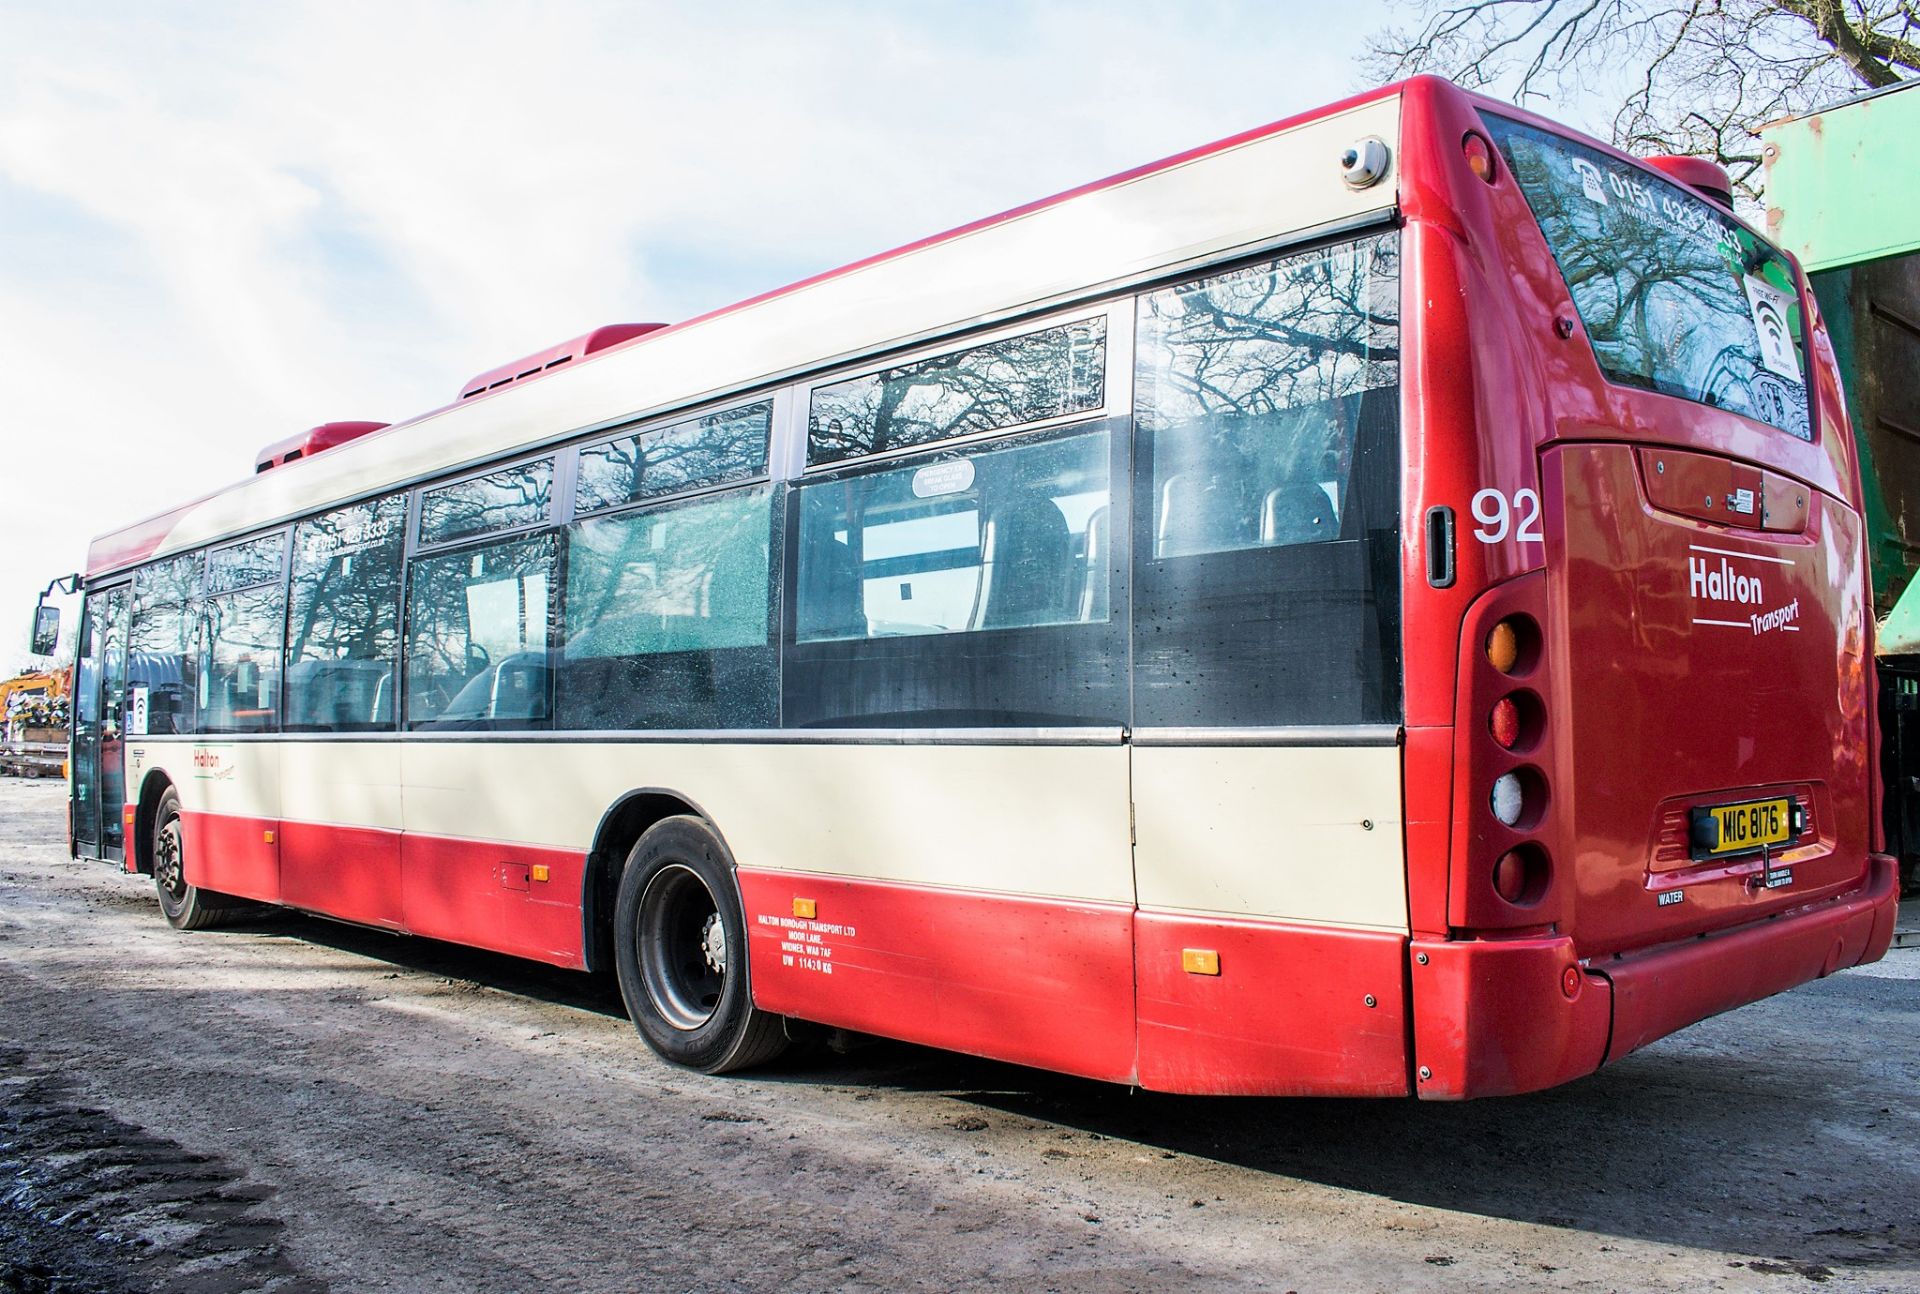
1770, 308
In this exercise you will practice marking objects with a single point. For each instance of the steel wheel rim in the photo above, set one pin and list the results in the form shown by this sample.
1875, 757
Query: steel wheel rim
683, 947
168, 871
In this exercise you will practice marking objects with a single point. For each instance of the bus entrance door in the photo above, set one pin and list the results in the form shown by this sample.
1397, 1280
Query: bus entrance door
99, 785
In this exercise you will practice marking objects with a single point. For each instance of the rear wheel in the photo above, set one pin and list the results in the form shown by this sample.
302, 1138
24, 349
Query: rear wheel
186, 907
680, 944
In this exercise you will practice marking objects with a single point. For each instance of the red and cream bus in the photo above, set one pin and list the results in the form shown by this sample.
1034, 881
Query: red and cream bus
1371, 606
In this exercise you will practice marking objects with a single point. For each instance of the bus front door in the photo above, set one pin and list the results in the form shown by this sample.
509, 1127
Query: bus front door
99, 787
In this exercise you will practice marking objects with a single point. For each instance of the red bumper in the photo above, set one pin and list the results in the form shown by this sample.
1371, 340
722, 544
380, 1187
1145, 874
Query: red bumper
1497, 1017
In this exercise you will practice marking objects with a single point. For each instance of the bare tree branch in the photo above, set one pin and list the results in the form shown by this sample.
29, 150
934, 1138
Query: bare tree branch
1692, 76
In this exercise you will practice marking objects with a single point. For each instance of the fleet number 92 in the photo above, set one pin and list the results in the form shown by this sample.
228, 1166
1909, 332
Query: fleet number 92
1500, 516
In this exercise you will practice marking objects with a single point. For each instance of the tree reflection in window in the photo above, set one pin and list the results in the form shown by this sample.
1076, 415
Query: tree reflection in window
502, 500
1044, 374
477, 636
166, 600
240, 677
1675, 295
710, 450
1247, 388
343, 628
242, 565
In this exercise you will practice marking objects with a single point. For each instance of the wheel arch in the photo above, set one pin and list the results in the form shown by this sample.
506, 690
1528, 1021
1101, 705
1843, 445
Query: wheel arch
621, 826
140, 848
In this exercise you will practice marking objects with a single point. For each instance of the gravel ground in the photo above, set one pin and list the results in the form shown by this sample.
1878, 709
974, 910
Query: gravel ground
297, 1105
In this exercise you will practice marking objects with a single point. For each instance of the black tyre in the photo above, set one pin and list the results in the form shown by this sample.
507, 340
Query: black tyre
186, 907
680, 944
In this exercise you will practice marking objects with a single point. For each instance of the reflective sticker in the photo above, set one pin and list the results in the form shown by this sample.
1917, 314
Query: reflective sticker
1770, 308
1590, 181
943, 478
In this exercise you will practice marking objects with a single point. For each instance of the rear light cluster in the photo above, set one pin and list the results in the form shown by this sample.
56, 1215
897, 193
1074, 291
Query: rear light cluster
1479, 155
1517, 795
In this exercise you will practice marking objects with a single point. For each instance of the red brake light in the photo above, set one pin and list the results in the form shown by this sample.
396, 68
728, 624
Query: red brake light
1505, 722
1510, 876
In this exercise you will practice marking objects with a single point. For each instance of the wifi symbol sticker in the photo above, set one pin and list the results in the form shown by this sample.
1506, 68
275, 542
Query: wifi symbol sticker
1770, 306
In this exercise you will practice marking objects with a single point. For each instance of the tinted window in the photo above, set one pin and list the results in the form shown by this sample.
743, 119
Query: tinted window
668, 620
240, 679
960, 589
502, 500
1676, 295
712, 450
343, 630
477, 636
162, 646
1037, 375
239, 566
1266, 589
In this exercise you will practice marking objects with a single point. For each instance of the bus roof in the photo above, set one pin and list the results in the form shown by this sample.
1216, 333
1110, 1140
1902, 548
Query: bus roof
1239, 194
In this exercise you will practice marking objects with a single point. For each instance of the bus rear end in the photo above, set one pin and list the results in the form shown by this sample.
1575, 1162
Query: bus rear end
1640, 690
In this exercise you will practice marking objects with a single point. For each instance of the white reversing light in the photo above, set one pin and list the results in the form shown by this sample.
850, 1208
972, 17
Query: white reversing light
1507, 798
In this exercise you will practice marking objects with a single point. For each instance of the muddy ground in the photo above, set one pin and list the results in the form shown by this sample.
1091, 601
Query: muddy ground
298, 1105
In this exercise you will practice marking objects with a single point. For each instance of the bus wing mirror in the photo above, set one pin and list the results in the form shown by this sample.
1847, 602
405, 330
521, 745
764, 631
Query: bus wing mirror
46, 630
46, 619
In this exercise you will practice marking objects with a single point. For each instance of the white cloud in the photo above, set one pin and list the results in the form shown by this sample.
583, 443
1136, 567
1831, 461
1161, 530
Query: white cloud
218, 226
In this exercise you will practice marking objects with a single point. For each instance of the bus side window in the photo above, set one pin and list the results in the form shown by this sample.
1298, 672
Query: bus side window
1265, 407
343, 623
477, 630
959, 588
669, 621
163, 642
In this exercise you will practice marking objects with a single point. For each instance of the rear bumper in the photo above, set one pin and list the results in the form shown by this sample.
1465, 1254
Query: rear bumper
1498, 1017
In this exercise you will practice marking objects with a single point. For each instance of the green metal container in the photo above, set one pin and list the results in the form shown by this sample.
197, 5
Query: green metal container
1844, 196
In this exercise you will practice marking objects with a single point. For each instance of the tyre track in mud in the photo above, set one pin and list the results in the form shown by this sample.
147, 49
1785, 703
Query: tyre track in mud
90, 1204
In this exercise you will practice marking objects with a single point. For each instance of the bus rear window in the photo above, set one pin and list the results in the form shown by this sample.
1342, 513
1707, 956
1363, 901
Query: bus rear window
1676, 296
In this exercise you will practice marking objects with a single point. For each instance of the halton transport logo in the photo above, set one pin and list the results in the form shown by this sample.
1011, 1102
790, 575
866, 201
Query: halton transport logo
213, 763
1724, 590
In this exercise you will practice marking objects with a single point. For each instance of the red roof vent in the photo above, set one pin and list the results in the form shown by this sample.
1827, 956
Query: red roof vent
1709, 179
312, 441
553, 357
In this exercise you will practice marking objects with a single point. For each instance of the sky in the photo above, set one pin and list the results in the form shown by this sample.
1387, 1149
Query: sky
221, 224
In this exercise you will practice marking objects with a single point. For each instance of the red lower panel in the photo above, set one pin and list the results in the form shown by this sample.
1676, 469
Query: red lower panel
1044, 982
1657, 992
1495, 1017
1287, 1015
487, 895
231, 855
348, 872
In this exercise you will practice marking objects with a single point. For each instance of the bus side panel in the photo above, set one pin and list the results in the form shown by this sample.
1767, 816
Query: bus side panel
1291, 1011
1035, 981
1308, 834
348, 872
229, 809
233, 855
340, 843
509, 898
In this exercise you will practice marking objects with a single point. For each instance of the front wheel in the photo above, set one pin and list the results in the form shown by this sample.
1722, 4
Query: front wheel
680, 944
186, 907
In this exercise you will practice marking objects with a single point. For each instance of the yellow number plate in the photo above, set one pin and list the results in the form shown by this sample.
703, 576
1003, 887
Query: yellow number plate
1741, 828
